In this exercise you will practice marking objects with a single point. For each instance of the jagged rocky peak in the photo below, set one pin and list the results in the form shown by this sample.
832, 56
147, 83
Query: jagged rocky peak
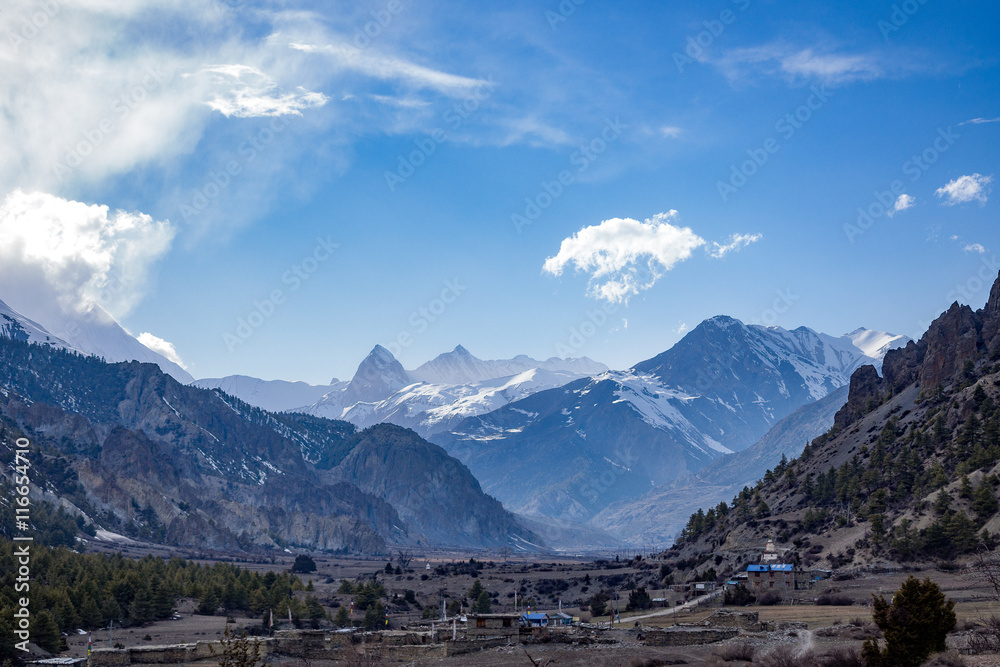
957, 337
380, 375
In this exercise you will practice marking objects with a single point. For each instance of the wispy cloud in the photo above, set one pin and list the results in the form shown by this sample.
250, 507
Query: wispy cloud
736, 242
624, 256
242, 91
975, 247
903, 202
980, 121
964, 189
798, 63
388, 67
670, 131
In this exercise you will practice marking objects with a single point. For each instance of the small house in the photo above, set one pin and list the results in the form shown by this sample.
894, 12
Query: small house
560, 619
535, 620
482, 626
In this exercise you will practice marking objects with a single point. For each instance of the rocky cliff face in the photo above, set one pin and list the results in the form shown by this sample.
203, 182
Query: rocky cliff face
954, 344
438, 496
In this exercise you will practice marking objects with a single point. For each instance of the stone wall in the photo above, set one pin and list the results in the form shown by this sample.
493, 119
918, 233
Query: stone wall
680, 636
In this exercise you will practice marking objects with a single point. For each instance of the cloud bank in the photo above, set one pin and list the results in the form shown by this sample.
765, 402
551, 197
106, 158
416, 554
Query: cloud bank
60, 253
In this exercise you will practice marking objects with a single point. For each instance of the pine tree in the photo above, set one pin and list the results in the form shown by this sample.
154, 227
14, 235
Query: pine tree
942, 504
475, 591
915, 624
599, 604
45, 633
984, 501
375, 617
639, 599
483, 604
343, 618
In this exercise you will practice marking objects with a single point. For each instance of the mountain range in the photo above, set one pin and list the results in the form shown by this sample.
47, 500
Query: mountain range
429, 399
573, 451
559, 442
147, 456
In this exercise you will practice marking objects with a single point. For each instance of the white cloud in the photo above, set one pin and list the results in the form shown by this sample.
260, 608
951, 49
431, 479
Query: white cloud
903, 202
975, 247
980, 121
386, 67
681, 328
625, 256
973, 187
242, 91
784, 60
735, 243
74, 255
670, 131
104, 87
157, 344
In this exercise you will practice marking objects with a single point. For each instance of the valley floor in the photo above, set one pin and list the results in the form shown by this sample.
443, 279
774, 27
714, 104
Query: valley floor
828, 627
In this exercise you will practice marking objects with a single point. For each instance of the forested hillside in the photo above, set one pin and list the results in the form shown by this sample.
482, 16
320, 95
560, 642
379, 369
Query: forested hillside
908, 472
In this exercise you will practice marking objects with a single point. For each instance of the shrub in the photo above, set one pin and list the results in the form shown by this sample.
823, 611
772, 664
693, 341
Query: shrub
787, 656
843, 657
303, 564
743, 650
769, 599
739, 596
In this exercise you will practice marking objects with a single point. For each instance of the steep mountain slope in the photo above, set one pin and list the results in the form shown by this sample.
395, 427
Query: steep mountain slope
271, 395
200, 468
439, 497
95, 332
18, 327
907, 473
572, 451
660, 514
445, 390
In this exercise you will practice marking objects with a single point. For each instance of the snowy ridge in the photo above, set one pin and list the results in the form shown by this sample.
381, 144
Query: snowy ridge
400, 397
460, 367
18, 327
717, 391
876, 343
94, 332
658, 407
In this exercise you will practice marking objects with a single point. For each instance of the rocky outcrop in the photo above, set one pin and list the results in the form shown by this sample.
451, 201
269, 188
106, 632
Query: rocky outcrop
957, 338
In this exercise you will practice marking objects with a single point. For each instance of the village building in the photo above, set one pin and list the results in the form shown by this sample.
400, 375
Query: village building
775, 577
482, 626
535, 620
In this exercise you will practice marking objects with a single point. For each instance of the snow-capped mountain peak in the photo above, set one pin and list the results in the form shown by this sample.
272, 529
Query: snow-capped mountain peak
18, 327
92, 332
379, 376
875, 344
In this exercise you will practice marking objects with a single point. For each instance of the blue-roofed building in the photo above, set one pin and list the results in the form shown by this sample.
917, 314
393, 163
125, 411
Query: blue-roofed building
774, 577
535, 620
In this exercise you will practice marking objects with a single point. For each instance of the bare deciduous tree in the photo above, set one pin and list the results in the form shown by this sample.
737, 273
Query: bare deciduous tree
404, 557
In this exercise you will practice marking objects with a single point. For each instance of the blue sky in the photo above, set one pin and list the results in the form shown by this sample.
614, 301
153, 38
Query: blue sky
243, 139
